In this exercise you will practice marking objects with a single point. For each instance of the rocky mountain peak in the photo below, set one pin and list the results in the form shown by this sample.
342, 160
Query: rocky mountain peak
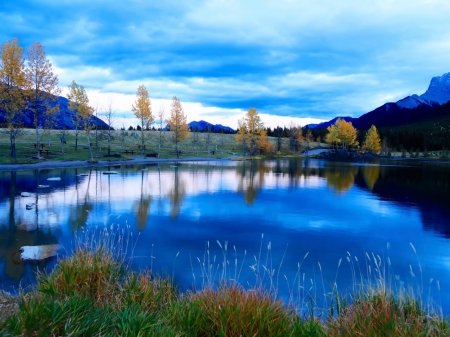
438, 91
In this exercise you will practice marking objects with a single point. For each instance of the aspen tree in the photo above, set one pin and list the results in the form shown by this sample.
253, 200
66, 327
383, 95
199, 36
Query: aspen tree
142, 110
178, 124
12, 83
43, 91
372, 141
250, 128
79, 105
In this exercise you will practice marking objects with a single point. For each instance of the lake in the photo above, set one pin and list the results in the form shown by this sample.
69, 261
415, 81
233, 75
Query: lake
302, 226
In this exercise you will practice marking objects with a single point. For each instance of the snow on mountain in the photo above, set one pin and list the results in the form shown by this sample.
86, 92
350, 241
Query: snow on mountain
439, 90
438, 93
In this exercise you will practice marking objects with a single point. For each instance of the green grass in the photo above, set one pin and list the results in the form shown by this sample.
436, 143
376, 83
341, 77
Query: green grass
93, 293
226, 146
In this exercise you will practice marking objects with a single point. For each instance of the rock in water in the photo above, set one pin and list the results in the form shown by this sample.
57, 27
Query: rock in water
25, 194
38, 252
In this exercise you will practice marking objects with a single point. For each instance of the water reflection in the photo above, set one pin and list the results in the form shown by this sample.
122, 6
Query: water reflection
323, 207
142, 206
177, 194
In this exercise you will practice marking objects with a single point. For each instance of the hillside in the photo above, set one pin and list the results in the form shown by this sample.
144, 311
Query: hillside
411, 109
64, 119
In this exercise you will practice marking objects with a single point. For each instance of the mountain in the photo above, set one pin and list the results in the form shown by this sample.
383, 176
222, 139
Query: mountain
411, 109
63, 119
203, 126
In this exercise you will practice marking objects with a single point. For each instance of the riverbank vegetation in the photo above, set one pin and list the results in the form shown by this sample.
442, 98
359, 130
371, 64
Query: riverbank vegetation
92, 293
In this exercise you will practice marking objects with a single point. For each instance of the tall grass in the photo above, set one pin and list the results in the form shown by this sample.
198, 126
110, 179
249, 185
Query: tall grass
94, 292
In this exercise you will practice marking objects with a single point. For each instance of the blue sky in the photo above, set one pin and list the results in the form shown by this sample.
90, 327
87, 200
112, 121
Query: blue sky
300, 61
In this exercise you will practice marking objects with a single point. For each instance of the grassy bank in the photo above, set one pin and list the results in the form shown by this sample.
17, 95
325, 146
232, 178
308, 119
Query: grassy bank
92, 293
125, 143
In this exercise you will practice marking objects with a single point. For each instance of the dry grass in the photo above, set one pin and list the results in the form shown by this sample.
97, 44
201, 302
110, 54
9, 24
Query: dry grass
223, 145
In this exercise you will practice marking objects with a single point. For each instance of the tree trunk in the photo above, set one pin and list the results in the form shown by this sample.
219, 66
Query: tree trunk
90, 148
38, 140
12, 138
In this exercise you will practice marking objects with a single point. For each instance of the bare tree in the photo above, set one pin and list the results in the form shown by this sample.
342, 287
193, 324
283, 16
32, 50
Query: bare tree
160, 123
208, 138
110, 117
195, 140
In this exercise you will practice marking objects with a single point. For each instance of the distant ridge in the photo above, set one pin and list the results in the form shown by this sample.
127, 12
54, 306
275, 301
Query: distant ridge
203, 126
64, 119
411, 109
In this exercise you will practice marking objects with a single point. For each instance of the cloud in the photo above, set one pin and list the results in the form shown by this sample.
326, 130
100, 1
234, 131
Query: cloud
304, 59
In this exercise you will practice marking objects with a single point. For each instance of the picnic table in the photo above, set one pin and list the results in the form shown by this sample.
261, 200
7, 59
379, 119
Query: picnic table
42, 145
129, 151
47, 151
139, 146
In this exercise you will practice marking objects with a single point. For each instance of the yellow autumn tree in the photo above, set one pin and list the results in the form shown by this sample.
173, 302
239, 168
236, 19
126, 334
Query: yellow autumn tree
332, 136
79, 105
178, 124
250, 129
43, 91
142, 110
12, 84
342, 132
262, 141
372, 141
241, 135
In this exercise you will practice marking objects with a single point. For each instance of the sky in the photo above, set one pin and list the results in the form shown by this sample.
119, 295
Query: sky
301, 61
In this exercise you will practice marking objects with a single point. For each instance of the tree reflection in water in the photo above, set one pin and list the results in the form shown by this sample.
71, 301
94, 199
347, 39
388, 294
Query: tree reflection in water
176, 195
142, 207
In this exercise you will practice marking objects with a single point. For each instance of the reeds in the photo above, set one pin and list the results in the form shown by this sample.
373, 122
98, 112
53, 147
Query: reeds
94, 292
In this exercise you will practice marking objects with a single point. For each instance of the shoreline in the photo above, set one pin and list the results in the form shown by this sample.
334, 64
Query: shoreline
100, 163
137, 161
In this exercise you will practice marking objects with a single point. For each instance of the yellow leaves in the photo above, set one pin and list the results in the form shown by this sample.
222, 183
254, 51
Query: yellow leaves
43, 84
250, 131
332, 136
12, 71
178, 122
262, 141
342, 132
79, 103
372, 141
12, 82
141, 108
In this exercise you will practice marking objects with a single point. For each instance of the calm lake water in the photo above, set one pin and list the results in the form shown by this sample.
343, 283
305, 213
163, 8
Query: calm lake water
266, 215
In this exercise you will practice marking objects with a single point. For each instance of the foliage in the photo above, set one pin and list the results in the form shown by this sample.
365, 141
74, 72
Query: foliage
43, 91
178, 124
251, 134
79, 104
142, 110
12, 83
372, 141
343, 133
92, 293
